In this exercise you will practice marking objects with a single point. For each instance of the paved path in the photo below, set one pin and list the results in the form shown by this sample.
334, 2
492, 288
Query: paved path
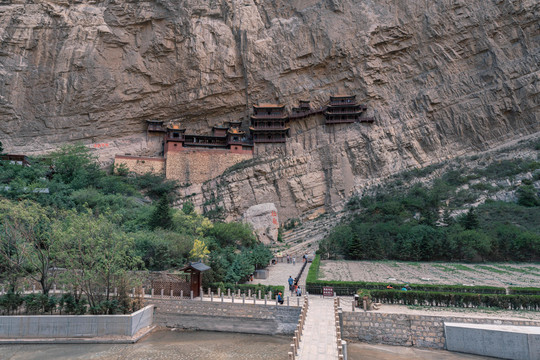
279, 273
319, 336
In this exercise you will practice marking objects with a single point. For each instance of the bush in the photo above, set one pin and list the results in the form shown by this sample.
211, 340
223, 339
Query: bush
524, 291
244, 288
455, 299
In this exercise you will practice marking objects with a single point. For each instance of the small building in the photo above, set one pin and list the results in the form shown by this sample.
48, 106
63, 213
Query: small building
236, 138
343, 109
155, 126
223, 137
195, 269
269, 123
15, 159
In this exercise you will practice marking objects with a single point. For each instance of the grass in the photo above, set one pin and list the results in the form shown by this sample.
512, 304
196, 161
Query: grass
529, 270
491, 269
462, 267
443, 268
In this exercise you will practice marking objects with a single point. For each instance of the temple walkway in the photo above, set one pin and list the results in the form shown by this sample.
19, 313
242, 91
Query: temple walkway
319, 336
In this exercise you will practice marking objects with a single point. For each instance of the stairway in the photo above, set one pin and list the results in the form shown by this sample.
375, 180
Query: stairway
304, 239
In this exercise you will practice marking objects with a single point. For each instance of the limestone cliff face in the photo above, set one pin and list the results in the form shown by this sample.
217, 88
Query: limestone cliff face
441, 77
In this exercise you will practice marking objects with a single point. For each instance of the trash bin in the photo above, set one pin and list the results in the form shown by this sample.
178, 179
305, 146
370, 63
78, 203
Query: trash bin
357, 300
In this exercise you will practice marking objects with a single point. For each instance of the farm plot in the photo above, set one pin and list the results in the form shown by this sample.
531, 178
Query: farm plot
492, 274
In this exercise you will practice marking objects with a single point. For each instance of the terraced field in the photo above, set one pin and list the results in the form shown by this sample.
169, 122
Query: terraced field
492, 274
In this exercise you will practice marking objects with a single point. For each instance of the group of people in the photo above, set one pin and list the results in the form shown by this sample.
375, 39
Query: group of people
293, 287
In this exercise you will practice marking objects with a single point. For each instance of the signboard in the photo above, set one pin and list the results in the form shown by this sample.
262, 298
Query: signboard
328, 291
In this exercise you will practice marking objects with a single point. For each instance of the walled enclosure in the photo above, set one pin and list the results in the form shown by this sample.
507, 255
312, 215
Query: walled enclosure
141, 165
75, 326
198, 166
409, 330
217, 316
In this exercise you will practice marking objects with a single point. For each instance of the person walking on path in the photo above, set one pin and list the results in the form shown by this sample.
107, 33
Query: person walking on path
291, 281
294, 260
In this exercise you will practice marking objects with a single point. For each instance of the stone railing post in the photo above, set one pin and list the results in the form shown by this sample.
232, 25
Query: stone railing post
191, 294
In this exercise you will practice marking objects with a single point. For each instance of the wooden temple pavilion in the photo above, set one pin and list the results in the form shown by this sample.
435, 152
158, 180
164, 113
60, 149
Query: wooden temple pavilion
155, 126
195, 269
343, 109
269, 123
223, 137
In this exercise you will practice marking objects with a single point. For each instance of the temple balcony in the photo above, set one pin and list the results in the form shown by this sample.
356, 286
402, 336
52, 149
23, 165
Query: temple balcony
339, 111
268, 141
268, 127
172, 138
269, 116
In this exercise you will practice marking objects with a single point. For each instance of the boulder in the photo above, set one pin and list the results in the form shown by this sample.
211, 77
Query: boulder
265, 221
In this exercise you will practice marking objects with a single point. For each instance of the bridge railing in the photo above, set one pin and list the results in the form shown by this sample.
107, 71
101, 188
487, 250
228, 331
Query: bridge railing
295, 346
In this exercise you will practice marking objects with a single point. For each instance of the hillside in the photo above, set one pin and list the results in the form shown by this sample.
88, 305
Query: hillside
441, 79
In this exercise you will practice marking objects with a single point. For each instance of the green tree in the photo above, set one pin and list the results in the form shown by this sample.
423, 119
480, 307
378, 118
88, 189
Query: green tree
240, 269
75, 166
233, 233
469, 221
97, 254
162, 215
26, 245
188, 208
528, 196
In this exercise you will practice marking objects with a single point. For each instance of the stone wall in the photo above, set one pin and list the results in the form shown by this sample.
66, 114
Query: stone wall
409, 330
506, 342
198, 166
217, 316
141, 165
73, 326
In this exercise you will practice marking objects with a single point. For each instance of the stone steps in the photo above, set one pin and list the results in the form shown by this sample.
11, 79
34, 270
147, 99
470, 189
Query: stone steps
305, 238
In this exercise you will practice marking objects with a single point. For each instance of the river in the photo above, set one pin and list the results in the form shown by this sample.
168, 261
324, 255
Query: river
195, 345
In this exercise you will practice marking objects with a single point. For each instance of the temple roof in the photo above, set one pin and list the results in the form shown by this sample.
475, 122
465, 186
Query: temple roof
199, 266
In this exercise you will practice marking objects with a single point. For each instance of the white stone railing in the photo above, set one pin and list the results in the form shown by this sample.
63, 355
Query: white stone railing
299, 329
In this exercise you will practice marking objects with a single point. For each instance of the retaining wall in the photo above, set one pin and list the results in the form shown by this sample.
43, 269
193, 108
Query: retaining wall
409, 330
508, 342
70, 326
217, 316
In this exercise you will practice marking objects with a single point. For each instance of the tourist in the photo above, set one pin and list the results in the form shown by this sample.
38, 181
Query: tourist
298, 291
280, 299
288, 259
294, 260
389, 286
291, 281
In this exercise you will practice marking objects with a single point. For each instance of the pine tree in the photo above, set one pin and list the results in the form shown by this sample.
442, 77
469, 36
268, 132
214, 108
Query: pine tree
161, 217
470, 220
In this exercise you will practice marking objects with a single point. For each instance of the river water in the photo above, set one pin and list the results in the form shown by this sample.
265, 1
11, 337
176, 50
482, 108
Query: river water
199, 345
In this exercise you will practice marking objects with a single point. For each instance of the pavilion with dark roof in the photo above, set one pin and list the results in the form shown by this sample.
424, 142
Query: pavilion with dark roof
195, 269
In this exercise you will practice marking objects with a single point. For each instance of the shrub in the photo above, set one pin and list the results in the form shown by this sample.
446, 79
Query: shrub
244, 288
456, 299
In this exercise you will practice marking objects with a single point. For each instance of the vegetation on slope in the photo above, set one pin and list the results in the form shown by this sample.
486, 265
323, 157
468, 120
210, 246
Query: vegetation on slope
426, 221
63, 220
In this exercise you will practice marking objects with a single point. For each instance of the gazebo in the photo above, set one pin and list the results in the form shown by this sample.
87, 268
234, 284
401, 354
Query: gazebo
195, 269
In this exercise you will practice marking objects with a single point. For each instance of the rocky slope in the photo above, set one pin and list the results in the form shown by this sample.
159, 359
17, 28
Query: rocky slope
441, 77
